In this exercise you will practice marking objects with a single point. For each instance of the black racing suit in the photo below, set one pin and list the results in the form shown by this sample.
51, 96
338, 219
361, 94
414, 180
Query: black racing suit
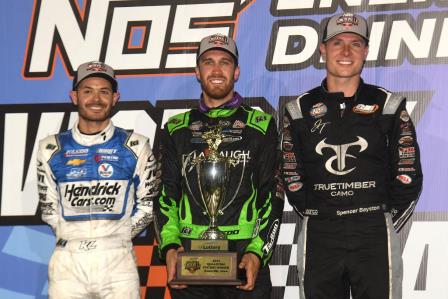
351, 169
254, 201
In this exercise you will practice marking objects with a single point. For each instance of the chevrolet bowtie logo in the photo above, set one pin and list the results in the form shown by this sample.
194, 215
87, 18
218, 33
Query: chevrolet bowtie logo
76, 162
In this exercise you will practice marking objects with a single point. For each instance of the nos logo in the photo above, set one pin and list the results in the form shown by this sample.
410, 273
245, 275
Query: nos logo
25, 125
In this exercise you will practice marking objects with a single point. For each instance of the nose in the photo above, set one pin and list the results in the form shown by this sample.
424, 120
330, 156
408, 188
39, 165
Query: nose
346, 50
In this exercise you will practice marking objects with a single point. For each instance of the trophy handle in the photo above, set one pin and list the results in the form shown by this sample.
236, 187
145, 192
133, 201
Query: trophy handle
239, 184
188, 162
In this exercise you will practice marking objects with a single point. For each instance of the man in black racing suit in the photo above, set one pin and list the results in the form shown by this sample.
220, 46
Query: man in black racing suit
253, 205
351, 169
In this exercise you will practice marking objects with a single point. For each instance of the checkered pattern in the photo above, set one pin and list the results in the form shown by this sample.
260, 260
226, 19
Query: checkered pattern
283, 264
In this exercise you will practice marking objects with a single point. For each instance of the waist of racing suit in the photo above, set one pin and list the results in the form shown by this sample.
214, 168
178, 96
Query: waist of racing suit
97, 244
346, 211
233, 232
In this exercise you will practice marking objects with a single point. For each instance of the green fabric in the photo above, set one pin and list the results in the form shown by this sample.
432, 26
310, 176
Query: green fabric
258, 120
170, 231
257, 243
221, 112
178, 121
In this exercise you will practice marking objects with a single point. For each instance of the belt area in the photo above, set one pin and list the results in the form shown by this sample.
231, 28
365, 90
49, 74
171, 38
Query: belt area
90, 244
347, 211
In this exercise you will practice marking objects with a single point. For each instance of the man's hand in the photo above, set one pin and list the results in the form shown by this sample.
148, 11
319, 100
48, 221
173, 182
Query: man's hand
251, 263
171, 261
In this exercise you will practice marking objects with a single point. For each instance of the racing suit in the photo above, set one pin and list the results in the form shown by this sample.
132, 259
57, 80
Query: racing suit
351, 169
96, 192
253, 206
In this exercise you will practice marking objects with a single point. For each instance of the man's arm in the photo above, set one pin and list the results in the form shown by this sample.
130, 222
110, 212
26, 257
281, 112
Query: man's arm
146, 182
292, 167
406, 172
46, 183
270, 199
167, 205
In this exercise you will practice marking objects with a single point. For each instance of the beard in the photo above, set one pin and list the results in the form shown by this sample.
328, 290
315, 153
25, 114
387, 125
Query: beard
217, 92
85, 113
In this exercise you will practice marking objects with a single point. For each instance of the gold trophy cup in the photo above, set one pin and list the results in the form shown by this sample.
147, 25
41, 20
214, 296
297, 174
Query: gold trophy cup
209, 262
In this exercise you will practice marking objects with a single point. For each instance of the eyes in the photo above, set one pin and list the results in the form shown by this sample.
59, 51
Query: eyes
221, 62
356, 44
89, 91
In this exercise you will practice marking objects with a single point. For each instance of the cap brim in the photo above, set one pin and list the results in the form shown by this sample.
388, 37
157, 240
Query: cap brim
100, 75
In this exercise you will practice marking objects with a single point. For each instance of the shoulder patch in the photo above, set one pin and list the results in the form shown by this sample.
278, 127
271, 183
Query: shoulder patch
177, 121
258, 120
49, 146
294, 108
392, 103
135, 143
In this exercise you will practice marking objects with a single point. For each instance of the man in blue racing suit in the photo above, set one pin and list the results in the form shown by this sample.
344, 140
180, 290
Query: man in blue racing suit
96, 186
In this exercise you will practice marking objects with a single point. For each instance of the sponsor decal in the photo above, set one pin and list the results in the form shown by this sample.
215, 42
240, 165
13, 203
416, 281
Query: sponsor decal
289, 165
76, 162
76, 152
293, 187
101, 194
318, 110
404, 178
365, 109
272, 234
406, 152
287, 146
290, 173
311, 212
406, 129
294, 178
406, 140
344, 189
340, 155
100, 158
404, 116
406, 161
238, 124
106, 151
260, 118
289, 157
196, 126
186, 231
75, 173
406, 169
133, 143
50, 146
105, 170
286, 122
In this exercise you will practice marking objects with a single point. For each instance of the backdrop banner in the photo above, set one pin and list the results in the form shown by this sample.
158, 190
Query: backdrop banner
152, 46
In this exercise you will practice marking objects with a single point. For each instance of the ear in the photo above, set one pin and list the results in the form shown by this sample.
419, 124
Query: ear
115, 98
74, 97
236, 73
366, 52
198, 75
323, 51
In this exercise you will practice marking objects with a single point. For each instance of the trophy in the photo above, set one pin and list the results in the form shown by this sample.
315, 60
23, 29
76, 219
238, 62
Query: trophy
209, 262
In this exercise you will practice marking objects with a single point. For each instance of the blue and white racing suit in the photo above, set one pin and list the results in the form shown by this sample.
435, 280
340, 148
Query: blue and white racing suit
96, 192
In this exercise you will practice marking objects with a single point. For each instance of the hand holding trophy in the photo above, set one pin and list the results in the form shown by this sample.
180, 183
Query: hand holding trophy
209, 262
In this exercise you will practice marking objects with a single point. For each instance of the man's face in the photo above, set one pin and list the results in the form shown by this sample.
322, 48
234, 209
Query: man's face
217, 73
344, 55
95, 99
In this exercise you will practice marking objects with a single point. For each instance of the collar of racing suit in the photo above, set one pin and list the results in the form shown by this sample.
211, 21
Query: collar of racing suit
340, 95
98, 138
235, 102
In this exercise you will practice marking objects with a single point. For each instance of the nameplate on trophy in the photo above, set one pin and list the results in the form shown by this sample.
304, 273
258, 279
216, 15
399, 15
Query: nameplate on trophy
207, 268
